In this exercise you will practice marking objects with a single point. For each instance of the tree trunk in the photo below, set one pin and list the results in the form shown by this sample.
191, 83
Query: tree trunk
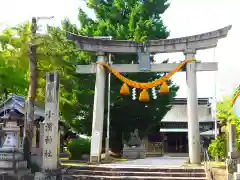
31, 92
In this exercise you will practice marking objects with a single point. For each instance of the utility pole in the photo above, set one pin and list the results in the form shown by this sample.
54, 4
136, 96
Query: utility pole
32, 76
29, 104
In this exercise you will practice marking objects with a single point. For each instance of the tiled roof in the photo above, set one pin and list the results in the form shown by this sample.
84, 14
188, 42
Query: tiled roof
17, 103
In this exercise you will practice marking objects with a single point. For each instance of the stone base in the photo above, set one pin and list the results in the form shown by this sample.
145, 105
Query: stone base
55, 174
95, 159
134, 152
36, 160
234, 155
232, 162
236, 176
10, 157
43, 176
20, 172
9, 164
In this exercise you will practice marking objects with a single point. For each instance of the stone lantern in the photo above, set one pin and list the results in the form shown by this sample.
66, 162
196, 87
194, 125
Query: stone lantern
12, 116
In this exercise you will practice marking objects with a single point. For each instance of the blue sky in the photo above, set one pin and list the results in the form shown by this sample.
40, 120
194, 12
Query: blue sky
183, 18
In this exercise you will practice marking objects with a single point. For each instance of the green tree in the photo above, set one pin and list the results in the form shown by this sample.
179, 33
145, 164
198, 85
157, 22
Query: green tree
54, 53
132, 20
225, 115
125, 20
13, 62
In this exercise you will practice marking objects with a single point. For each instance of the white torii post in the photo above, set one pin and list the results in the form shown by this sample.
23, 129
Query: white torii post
192, 108
188, 45
98, 110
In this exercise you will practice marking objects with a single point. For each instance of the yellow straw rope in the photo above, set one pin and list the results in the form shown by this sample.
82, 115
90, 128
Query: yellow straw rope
235, 98
148, 85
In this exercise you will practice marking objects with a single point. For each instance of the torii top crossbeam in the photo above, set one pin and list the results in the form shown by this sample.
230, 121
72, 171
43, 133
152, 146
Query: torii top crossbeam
196, 42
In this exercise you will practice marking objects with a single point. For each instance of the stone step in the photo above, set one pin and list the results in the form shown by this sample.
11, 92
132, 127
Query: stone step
129, 173
137, 169
88, 177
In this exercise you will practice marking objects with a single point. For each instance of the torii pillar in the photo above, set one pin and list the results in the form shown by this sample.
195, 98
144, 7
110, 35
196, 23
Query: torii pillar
192, 108
98, 110
188, 45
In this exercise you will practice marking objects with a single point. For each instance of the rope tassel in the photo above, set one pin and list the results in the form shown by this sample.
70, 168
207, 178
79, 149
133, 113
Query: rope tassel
124, 90
164, 88
144, 96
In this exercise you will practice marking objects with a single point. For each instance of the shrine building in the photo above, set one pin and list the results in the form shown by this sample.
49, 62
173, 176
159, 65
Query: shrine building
173, 135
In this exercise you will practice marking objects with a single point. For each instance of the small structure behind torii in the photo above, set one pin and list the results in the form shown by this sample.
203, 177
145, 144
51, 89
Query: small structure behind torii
188, 45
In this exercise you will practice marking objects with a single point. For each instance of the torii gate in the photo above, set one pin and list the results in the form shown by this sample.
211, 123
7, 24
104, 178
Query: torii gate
188, 45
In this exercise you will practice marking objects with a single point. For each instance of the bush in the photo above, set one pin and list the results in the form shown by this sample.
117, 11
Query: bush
218, 147
79, 147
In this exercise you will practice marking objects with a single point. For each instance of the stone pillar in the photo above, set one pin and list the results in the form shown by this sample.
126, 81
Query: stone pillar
34, 137
41, 136
33, 149
2, 138
98, 111
50, 134
192, 109
59, 143
233, 156
18, 140
232, 146
21, 132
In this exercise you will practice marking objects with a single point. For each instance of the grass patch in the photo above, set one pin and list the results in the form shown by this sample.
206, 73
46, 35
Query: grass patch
219, 173
187, 164
213, 164
77, 164
217, 164
113, 159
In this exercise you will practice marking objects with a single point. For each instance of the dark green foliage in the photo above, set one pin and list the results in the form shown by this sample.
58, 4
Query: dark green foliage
79, 147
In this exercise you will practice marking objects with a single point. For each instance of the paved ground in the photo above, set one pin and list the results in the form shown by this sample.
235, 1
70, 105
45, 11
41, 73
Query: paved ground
164, 161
